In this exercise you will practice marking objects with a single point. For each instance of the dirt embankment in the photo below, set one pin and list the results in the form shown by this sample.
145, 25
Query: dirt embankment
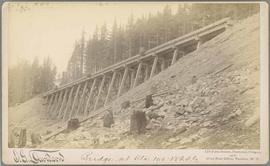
214, 101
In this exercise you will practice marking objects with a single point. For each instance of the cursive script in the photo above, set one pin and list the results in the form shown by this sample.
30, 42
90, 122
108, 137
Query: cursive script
37, 156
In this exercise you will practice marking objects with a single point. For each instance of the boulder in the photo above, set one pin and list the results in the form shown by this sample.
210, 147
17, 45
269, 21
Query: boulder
125, 104
179, 112
180, 130
152, 115
238, 112
152, 124
172, 109
164, 108
252, 120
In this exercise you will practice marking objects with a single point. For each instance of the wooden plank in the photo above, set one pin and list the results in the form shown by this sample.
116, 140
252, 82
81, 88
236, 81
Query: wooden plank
50, 102
63, 103
122, 82
68, 103
132, 78
119, 79
137, 74
82, 98
99, 91
110, 87
53, 102
163, 65
199, 43
59, 100
74, 101
46, 99
147, 70
175, 54
154, 66
90, 96
56, 100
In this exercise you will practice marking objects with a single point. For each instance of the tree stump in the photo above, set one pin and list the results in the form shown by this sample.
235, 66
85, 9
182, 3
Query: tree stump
73, 124
137, 122
148, 101
108, 119
22, 138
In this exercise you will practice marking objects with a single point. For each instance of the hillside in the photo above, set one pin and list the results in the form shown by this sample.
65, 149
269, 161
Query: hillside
212, 102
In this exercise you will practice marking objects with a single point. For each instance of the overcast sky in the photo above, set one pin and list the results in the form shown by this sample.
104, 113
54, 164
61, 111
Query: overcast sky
50, 29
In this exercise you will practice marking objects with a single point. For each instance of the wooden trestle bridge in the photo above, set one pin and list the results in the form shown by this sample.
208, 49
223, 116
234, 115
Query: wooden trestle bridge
92, 92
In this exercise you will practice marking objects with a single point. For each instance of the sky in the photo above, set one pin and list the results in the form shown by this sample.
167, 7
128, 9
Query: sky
50, 29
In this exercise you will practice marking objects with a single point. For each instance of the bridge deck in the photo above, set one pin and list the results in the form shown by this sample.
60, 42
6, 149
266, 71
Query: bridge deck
178, 42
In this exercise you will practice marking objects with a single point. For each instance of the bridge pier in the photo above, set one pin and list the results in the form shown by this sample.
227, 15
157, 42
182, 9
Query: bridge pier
163, 64
89, 97
54, 96
147, 69
110, 87
46, 101
68, 103
81, 98
132, 78
50, 102
175, 55
154, 66
74, 101
122, 82
55, 103
137, 74
60, 99
63, 103
199, 42
99, 91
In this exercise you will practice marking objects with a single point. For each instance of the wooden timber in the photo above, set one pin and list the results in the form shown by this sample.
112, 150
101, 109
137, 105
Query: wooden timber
193, 36
154, 60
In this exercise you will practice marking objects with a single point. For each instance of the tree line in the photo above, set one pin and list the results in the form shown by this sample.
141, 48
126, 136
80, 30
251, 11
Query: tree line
26, 80
106, 47
109, 46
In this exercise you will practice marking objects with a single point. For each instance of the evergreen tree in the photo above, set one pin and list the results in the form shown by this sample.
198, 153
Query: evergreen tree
107, 47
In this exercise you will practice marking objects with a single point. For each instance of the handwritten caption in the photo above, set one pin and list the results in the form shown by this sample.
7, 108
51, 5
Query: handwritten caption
99, 158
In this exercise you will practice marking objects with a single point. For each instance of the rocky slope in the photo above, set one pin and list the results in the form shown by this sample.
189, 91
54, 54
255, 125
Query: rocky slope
212, 101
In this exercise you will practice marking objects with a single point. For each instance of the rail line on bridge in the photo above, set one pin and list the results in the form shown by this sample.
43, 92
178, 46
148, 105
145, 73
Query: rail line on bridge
94, 91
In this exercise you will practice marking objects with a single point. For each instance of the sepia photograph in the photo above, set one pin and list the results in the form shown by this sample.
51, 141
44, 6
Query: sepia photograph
117, 82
